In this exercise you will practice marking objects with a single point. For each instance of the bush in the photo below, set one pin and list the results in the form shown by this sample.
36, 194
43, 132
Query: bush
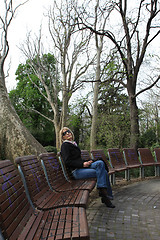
51, 149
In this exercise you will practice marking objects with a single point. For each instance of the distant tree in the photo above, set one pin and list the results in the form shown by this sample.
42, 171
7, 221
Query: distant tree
99, 48
113, 117
80, 120
150, 119
148, 138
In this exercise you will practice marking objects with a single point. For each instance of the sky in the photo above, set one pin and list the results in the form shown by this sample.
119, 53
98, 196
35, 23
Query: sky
28, 17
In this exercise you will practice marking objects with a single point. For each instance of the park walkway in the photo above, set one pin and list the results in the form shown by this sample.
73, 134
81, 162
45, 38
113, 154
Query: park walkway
136, 216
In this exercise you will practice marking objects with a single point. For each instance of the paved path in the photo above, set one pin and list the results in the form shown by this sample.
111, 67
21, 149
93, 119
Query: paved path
136, 216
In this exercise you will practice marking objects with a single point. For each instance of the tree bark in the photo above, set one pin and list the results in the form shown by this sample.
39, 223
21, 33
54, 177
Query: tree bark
95, 105
15, 139
134, 119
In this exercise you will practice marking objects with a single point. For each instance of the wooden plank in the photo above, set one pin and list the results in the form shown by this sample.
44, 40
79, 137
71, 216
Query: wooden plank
76, 224
69, 223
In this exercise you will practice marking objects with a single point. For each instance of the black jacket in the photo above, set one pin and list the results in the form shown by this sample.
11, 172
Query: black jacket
71, 155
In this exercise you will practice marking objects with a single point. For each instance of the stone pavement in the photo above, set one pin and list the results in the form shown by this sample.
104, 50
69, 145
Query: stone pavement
135, 217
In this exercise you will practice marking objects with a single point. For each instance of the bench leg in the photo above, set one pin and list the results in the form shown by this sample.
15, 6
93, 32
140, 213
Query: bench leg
126, 175
112, 178
157, 171
141, 172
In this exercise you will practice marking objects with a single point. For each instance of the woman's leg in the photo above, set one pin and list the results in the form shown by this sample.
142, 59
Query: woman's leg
99, 167
109, 188
96, 170
81, 173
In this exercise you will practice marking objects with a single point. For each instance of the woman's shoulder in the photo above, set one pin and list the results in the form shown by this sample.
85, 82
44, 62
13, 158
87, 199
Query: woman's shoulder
69, 144
65, 144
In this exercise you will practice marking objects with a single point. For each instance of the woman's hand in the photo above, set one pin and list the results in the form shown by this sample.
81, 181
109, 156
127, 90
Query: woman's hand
87, 164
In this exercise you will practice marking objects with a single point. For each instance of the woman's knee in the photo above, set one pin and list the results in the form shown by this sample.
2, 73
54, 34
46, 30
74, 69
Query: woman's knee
100, 163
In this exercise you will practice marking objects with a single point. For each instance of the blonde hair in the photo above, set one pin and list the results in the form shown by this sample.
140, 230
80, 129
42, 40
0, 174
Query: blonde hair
61, 134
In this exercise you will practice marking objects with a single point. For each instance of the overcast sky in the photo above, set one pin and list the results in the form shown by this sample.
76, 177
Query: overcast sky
28, 17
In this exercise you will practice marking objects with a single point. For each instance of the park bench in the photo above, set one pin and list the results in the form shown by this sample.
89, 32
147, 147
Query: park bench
132, 160
99, 154
147, 159
41, 195
20, 221
117, 161
54, 174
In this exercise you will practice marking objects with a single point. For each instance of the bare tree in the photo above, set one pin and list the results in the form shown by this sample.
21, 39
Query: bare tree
99, 48
15, 140
139, 28
70, 50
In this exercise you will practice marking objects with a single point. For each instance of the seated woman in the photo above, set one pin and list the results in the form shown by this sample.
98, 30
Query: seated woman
80, 169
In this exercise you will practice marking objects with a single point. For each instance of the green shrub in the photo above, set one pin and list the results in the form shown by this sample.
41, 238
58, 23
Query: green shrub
51, 149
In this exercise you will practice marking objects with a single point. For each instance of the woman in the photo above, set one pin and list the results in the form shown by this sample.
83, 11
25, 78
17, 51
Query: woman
80, 169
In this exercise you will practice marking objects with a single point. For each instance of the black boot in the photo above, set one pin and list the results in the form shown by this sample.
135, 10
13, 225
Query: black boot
105, 199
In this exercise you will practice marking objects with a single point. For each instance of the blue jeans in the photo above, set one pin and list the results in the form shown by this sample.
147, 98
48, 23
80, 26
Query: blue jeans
96, 170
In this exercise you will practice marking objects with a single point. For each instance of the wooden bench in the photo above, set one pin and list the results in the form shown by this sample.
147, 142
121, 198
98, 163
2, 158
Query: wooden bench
132, 160
117, 161
147, 159
55, 175
99, 154
41, 195
20, 221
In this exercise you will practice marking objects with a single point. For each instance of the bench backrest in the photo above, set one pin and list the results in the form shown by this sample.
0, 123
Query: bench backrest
116, 158
15, 209
131, 156
34, 175
99, 154
85, 155
53, 169
146, 155
66, 172
157, 154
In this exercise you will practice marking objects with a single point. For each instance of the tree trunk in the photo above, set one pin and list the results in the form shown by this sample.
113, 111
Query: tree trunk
94, 118
134, 118
57, 130
95, 97
15, 139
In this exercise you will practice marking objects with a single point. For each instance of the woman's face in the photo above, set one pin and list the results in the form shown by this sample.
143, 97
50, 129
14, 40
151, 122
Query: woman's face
67, 135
